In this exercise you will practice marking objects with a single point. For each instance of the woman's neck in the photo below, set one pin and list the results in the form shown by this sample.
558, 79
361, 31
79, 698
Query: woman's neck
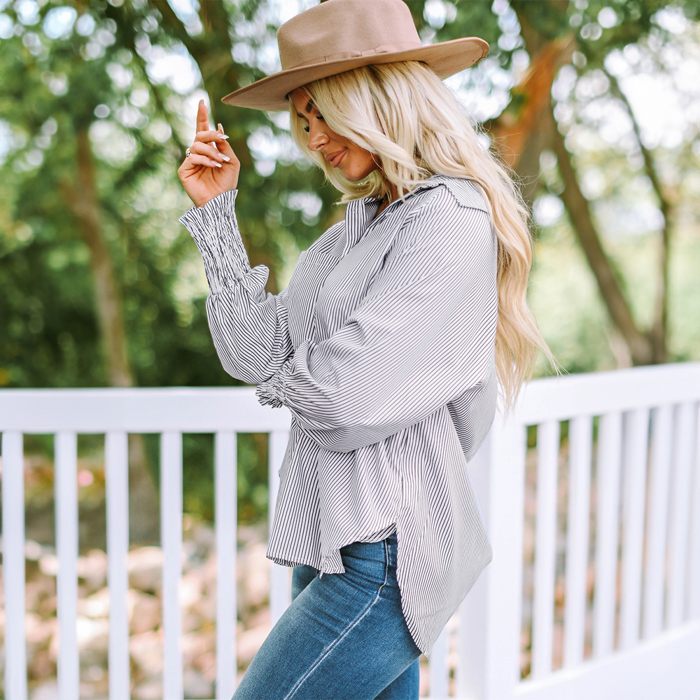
388, 199
383, 206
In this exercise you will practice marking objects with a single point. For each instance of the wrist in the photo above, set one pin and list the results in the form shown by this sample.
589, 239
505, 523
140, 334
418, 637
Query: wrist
200, 204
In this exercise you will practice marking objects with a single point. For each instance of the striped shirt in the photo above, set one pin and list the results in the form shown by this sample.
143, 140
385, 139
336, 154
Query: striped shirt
382, 347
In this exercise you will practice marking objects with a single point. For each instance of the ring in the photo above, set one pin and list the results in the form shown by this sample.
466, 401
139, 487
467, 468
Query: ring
188, 152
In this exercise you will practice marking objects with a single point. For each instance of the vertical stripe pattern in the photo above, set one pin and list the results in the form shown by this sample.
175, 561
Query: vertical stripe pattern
382, 347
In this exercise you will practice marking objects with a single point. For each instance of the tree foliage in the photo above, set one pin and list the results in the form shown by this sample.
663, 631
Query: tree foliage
112, 75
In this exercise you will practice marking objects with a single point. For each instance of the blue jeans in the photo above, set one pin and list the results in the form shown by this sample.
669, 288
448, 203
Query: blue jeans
343, 637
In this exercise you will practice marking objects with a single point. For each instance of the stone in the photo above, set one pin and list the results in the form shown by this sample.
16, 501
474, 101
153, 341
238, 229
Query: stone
145, 567
146, 650
93, 640
144, 610
255, 572
196, 685
93, 568
95, 605
151, 689
249, 642
195, 644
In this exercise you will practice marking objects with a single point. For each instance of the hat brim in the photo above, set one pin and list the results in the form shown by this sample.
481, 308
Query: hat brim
445, 58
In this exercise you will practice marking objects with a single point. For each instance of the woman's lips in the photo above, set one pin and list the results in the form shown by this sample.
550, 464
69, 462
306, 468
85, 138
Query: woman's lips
338, 158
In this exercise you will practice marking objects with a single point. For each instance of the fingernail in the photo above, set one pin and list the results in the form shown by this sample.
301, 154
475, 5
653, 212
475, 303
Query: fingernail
222, 136
221, 128
218, 165
226, 158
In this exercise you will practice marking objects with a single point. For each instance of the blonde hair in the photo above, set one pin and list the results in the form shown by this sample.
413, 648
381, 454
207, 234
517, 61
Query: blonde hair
406, 116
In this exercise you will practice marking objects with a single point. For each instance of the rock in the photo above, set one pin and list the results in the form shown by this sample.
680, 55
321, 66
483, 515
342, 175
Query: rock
196, 644
205, 536
209, 570
255, 572
93, 640
191, 622
38, 590
144, 611
196, 685
145, 567
47, 606
38, 632
53, 644
95, 605
93, 568
191, 588
197, 597
48, 564
146, 650
46, 691
260, 617
249, 642
206, 665
151, 689
205, 607
41, 664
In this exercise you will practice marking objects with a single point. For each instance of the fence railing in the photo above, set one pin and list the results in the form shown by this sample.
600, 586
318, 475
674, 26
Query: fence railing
646, 456
647, 483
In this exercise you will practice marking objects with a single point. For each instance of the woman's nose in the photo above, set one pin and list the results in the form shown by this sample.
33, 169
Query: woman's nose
317, 139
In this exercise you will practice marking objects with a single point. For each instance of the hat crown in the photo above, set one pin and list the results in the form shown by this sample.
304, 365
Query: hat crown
338, 29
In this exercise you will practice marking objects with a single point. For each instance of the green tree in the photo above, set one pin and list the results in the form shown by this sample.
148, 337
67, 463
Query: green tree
584, 34
99, 279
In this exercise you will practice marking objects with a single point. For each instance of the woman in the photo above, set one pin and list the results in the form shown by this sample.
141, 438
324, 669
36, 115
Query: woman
386, 346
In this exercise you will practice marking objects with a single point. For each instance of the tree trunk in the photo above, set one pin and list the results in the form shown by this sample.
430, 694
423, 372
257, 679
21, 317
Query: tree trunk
524, 135
521, 135
144, 509
658, 333
212, 53
582, 223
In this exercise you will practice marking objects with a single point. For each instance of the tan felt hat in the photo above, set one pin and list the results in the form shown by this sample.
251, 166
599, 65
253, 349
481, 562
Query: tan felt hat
339, 35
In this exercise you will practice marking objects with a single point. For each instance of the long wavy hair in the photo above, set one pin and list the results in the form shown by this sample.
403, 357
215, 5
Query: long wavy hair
415, 127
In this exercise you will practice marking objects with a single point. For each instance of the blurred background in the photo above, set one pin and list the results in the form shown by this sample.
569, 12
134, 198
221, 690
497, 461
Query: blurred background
595, 104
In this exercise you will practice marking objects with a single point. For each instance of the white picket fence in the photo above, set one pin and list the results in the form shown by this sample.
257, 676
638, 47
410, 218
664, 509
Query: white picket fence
647, 462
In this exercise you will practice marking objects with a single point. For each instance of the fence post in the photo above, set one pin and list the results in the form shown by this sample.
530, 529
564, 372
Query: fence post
489, 635
66, 499
280, 576
13, 570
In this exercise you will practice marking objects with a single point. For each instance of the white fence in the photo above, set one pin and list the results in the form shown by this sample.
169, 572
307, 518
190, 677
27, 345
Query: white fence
648, 473
646, 457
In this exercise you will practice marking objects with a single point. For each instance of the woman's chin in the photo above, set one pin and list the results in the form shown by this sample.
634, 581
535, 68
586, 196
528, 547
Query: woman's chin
355, 177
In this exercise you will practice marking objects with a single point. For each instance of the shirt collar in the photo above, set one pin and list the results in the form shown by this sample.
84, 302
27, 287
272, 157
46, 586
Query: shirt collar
428, 183
466, 191
360, 212
358, 215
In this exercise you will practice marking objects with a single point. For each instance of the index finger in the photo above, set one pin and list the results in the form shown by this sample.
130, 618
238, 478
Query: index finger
210, 135
202, 117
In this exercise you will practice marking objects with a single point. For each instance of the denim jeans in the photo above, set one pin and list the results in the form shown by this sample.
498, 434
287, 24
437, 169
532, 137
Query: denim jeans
343, 637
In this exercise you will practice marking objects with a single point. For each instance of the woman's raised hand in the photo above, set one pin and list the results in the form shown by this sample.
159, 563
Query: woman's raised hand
212, 166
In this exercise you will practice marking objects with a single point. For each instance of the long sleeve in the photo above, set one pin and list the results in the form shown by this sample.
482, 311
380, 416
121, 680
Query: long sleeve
423, 335
249, 326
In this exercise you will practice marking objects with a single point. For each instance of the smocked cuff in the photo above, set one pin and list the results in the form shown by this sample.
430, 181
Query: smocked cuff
215, 231
271, 392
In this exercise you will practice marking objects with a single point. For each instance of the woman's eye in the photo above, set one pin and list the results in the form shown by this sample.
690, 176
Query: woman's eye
306, 128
